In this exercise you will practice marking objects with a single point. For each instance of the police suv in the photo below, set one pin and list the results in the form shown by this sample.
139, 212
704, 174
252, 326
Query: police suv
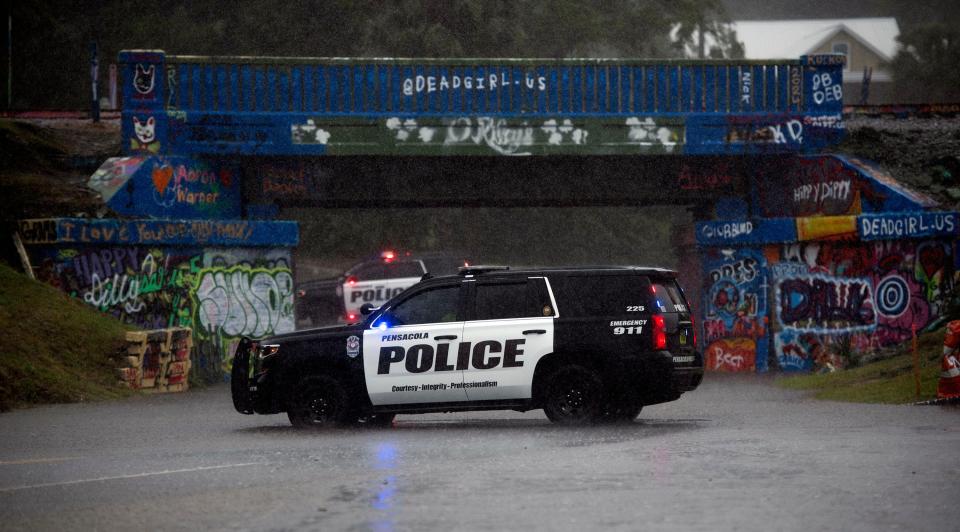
375, 282
583, 344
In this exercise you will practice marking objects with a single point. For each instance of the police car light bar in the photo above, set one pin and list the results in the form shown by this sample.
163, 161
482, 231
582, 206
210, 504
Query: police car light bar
473, 270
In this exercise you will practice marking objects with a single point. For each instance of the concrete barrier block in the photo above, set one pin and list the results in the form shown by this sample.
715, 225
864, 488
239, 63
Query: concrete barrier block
137, 337
158, 361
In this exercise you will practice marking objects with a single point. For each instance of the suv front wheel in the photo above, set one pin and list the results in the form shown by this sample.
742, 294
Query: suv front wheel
573, 395
318, 402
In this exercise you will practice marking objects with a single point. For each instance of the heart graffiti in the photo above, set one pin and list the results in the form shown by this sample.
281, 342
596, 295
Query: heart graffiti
161, 177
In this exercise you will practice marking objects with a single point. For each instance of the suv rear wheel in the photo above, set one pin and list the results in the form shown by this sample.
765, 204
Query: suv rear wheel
319, 402
573, 395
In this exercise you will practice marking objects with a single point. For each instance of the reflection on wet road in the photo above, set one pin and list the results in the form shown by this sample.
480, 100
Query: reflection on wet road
735, 454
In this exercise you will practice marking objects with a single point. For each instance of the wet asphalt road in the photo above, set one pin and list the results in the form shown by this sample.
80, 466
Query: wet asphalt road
737, 454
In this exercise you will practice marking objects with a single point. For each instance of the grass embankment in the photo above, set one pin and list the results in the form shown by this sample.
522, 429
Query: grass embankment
886, 381
53, 349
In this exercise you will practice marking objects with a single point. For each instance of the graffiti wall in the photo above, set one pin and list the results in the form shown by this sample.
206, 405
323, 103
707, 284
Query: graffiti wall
830, 185
244, 293
168, 187
735, 310
221, 292
491, 135
835, 300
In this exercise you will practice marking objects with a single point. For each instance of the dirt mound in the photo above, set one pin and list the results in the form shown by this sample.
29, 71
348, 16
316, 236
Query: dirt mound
44, 167
923, 153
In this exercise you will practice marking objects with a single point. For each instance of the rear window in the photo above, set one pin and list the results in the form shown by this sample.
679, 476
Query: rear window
601, 295
668, 297
442, 266
388, 270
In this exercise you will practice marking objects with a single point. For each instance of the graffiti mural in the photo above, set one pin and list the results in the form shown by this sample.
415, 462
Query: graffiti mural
236, 301
496, 135
735, 310
835, 301
220, 295
812, 186
168, 187
239, 293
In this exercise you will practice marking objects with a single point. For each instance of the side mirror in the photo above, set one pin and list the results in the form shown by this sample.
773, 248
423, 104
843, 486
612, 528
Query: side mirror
367, 308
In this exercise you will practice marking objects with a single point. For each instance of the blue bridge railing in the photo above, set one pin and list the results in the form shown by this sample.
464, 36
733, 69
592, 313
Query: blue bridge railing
254, 105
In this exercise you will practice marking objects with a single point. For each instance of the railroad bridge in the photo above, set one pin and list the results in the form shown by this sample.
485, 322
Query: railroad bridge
799, 259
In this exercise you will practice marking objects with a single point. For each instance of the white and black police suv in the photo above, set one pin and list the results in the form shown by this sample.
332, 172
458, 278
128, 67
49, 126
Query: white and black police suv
583, 344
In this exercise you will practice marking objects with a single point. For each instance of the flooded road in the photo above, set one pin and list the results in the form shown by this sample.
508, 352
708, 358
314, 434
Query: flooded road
738, 453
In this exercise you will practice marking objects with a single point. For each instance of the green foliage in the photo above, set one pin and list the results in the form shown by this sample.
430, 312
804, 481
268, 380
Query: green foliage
53, 349
925, 68
887, 381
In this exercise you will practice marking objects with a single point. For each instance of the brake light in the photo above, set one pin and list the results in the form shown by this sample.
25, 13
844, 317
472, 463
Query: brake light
693, 330
351, 280
388, 256
659, 332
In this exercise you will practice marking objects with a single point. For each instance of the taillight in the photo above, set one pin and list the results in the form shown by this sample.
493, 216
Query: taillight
388, 256
693, 330
351, 280
659, 332
351, 317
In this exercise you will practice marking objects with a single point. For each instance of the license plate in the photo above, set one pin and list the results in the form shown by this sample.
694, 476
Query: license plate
683, 359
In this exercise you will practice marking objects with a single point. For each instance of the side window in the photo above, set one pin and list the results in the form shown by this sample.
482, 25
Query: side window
505, 300
369, 271
436, 305
584, 296
442, 266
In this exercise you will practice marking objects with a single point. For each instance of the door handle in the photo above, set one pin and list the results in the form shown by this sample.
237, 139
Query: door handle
535, 331
447, 337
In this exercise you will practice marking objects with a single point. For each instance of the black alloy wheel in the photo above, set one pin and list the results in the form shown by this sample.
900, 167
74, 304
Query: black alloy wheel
319, 402
573, 396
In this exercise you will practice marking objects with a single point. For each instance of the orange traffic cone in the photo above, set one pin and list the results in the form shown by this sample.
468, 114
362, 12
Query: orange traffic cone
949, 385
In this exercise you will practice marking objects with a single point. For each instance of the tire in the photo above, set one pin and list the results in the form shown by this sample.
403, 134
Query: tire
573, 395
318, 402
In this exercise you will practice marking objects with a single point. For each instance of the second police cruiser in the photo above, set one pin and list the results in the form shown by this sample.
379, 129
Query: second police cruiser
583, 344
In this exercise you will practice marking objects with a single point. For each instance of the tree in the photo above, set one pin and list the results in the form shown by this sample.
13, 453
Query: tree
702, 29
925, 68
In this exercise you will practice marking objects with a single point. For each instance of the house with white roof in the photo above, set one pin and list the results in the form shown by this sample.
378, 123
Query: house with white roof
868, 43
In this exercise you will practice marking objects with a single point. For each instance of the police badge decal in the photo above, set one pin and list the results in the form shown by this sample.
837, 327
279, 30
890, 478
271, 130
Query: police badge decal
353, 346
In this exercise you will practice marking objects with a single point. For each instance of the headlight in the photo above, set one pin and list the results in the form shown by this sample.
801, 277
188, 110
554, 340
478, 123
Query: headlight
268, 350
